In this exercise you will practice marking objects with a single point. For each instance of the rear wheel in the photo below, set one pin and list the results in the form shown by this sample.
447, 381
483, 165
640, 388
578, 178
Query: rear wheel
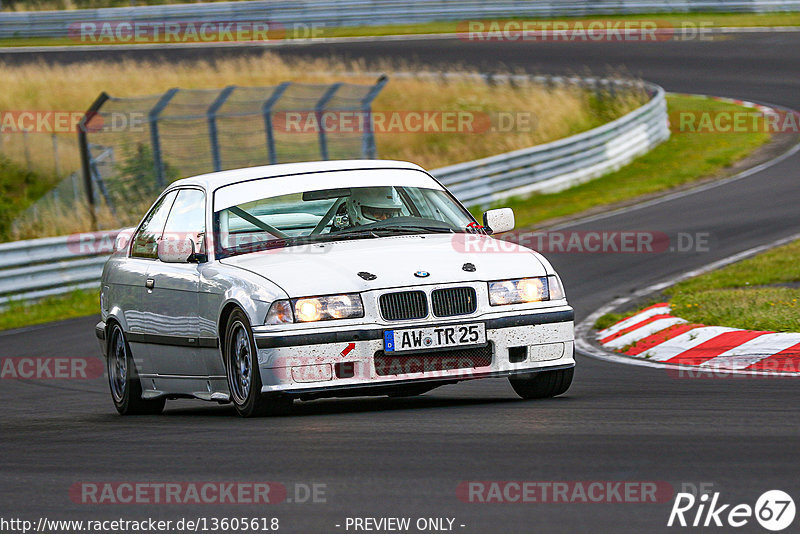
123, 380
244, 377
542, 385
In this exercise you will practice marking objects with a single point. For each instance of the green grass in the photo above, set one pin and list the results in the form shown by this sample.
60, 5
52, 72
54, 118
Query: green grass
18, 189
684, 158
674, 20
610, 318
777, 266
75, 304
736, 296
773, 309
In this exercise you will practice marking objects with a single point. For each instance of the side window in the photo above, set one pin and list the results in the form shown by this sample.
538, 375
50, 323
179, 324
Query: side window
144, 242
188, 218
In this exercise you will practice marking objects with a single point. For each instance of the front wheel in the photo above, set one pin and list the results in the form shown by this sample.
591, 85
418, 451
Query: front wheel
123, 380
244, 377
542, 385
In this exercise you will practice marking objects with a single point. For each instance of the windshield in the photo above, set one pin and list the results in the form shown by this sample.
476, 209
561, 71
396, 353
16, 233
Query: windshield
336, 214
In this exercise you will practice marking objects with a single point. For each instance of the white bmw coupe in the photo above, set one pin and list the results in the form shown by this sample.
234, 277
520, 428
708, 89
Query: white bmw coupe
263, 285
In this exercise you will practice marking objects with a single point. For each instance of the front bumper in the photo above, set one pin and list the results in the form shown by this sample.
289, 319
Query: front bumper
339, 360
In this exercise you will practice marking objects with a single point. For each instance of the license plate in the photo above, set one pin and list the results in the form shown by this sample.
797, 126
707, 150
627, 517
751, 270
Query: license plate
435, 337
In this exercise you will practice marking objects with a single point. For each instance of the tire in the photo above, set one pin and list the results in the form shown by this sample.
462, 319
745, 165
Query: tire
244, 377
542, 385
123, 380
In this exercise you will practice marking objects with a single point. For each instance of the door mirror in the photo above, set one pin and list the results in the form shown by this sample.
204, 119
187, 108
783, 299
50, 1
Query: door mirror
175, 250
499, 220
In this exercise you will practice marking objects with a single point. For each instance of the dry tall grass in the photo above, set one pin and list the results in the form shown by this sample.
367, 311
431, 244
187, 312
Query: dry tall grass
557, 111
55, 219
552, 111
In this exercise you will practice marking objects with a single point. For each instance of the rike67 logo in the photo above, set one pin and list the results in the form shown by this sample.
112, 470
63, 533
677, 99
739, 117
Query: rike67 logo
774, 510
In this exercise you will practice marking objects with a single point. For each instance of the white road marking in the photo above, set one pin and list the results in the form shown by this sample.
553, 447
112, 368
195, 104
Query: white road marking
753, 351
632, 320
640, 333
683, 342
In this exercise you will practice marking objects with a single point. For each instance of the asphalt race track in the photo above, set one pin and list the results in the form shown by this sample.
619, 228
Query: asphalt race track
406, 457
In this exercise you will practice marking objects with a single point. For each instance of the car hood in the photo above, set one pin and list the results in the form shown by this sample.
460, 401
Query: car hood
334, 267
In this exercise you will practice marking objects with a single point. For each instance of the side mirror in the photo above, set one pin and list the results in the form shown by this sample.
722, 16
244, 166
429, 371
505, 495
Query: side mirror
499, 220
175, 250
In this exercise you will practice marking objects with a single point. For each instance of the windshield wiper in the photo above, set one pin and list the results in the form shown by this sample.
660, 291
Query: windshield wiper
414, 228
371, 233
335, 236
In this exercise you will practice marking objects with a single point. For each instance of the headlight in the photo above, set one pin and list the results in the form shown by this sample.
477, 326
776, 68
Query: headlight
523, 290
310, 309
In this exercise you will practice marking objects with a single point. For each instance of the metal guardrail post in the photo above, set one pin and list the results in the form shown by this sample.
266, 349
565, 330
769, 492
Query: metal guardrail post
83, 146
318, 109
155, 141
266, 110
368, 148
211, 116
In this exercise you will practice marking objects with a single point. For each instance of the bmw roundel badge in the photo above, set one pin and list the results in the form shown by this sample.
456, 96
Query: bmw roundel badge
422, 274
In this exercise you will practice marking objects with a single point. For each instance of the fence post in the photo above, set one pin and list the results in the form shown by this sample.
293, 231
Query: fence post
318, 109
83, 146
266, 110
55, 157
368, 148
211, 117
27, 150
101, 185
155, 141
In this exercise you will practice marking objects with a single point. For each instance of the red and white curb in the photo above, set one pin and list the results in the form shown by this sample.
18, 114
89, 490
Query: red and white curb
586, 342
656, 335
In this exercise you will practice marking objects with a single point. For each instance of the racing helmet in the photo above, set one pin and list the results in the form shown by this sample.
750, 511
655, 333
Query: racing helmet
367, 205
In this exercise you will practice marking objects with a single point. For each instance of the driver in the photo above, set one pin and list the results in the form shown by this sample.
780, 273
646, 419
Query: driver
367, 205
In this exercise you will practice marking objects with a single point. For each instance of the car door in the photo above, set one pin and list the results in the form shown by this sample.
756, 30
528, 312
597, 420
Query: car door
129, 281
171, 297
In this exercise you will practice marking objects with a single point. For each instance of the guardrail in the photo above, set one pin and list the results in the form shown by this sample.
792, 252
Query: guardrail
42, 267
339, 13
39, 268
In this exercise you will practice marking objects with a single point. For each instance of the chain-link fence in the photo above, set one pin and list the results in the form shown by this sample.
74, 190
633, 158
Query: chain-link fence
131, 148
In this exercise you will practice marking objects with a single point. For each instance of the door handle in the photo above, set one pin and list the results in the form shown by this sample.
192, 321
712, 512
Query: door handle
150, 283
